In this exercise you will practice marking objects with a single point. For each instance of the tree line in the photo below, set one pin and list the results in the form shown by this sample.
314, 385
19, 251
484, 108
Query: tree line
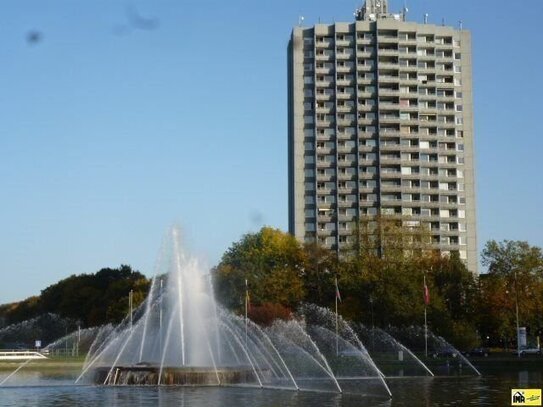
380, 278
381, 282
86, 299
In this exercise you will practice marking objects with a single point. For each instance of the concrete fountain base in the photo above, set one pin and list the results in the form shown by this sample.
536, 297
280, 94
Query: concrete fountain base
140, 375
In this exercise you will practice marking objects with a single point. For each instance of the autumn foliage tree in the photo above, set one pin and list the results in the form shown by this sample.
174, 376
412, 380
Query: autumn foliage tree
272, 263
515, 276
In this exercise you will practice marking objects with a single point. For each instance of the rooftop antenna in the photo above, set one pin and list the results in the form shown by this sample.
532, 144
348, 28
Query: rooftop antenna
442, 21
300, 21
358, 14
460, 24
405, 10
426, 18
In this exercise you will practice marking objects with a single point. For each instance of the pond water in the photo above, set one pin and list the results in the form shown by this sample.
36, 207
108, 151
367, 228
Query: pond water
56, 389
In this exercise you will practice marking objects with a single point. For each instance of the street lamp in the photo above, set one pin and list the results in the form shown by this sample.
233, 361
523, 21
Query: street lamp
516, 310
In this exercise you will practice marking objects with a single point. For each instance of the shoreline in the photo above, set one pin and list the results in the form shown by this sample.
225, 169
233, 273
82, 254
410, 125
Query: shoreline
53, 363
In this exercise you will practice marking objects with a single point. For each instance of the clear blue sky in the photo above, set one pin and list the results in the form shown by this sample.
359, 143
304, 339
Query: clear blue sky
108, 135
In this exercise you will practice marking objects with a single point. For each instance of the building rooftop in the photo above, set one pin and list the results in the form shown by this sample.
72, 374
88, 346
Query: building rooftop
373, 10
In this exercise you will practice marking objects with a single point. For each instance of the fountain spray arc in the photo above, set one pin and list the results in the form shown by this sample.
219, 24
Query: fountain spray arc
181, 336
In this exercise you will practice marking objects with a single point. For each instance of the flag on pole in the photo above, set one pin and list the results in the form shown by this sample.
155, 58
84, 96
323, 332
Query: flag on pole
426, 293
338, 294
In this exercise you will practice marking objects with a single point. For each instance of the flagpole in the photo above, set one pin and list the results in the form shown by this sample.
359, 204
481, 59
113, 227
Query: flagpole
160, 318
130, 295
425, 319
337, 326
246, 306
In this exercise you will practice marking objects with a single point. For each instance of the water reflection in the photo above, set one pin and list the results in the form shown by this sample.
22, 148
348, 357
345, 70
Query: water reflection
52, 389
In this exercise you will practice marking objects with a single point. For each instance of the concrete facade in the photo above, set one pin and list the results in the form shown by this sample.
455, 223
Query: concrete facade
381, 122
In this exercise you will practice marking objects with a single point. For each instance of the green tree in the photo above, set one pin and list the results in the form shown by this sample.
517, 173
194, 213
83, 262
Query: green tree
515, 277
320, 266
272, 263
454, 299
95, 299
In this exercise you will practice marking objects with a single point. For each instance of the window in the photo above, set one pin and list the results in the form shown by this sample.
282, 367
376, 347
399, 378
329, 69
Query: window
310, 227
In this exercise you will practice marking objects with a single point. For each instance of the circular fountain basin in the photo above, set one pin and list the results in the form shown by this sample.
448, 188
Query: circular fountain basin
142, 375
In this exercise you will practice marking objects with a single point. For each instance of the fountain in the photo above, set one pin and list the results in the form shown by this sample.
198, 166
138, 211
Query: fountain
392, 357
181, 336
444, 358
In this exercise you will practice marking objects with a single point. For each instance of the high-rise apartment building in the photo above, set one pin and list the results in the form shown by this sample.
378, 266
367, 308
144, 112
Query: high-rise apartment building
381, 122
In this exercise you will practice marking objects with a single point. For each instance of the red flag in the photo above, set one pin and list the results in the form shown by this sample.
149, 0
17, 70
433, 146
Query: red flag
426, 294
338, 295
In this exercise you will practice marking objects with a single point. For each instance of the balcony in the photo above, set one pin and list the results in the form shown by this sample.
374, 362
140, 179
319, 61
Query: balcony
366, 67
324, 84
325, 70
389, 91
324, 96
345, 82
324, 42
384, 38
388, 52
346, 68
389, 118
389, 78
325, 110
347, 54
347, 42
325, 56
346, 95
345, 109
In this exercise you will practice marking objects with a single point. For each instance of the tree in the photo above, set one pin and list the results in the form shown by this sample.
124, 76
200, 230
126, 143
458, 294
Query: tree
515, 277
509, 256
380, 273
95, 299
272, 263
454, 299
320, 266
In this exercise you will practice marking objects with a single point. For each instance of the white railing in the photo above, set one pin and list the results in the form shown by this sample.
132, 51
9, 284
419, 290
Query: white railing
20, 355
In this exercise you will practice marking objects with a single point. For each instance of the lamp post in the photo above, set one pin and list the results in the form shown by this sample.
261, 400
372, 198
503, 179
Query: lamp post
516, 310
372, 324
